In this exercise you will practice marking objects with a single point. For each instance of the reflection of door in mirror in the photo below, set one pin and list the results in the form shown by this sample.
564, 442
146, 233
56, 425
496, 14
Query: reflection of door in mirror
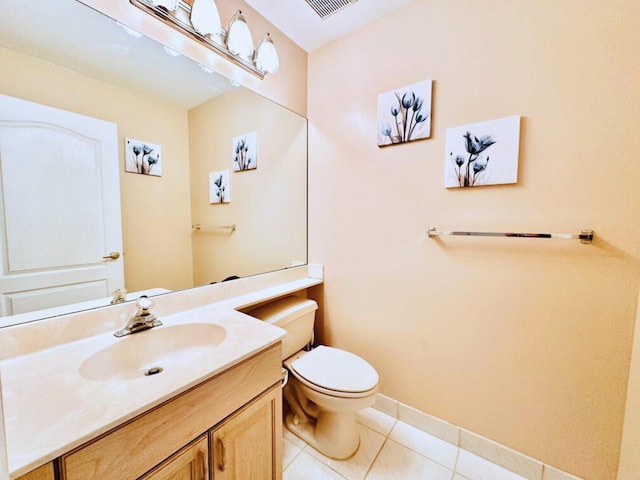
60, 207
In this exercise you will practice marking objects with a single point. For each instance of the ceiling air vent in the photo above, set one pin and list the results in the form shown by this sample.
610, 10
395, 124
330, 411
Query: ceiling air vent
324, 8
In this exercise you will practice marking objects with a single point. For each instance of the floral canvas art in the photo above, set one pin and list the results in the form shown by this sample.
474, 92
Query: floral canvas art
219, 191
245, 152
404, 114
143, 157
484, 153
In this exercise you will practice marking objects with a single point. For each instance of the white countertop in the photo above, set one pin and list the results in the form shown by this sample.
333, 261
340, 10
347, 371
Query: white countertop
50, 408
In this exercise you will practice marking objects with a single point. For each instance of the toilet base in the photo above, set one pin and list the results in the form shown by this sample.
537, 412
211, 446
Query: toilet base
334, 434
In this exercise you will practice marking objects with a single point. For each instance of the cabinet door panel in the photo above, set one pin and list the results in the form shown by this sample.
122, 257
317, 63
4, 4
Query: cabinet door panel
45, 472
190, 463
247, 445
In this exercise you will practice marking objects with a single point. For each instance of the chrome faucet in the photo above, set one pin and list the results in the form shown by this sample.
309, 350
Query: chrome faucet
143, 319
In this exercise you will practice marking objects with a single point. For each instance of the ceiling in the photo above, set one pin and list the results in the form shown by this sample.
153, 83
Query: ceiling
300, 23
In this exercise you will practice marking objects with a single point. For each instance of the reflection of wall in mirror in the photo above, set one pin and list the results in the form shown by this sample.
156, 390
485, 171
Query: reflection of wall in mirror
277, 214
156, 223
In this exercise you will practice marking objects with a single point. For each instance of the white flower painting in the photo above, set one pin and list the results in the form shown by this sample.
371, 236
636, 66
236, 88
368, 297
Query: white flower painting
143, 157
219, 191
484, 153
404, 114
245, 152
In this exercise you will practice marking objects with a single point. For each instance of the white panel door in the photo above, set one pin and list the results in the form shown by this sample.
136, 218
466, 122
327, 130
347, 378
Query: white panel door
60, 207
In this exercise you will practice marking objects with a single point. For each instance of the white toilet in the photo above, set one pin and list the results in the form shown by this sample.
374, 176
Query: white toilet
326, 385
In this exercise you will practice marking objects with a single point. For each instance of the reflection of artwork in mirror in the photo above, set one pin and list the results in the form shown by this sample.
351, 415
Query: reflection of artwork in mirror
484, 153
245, 152
143, 157
196, 115
404, 114
219, 191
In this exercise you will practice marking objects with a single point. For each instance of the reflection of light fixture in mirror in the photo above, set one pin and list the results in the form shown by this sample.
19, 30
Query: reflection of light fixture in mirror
130, 31
266, 57
173, 53
205, 17
170, 5
239, 40
205, 69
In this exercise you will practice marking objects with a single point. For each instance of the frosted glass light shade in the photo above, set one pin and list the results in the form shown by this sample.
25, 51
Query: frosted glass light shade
170, 5
239, 39
205, 17
266, 59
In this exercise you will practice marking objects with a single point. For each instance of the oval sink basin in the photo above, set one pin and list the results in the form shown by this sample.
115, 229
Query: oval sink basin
164, 348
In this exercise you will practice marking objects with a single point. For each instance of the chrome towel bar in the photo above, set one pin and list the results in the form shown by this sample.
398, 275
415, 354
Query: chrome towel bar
585, 236
197, 226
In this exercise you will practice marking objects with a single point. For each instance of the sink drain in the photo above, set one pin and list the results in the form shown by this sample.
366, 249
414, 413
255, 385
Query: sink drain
153, 371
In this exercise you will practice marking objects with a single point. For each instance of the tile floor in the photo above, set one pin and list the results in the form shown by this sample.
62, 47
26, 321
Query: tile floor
389, 450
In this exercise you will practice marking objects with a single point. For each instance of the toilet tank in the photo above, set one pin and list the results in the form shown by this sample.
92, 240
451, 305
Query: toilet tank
295, 315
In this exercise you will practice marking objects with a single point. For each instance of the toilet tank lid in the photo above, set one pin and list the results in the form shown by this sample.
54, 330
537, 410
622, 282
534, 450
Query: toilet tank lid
283, 310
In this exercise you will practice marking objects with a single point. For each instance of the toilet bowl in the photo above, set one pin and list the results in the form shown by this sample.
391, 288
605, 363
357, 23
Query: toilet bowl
326, 386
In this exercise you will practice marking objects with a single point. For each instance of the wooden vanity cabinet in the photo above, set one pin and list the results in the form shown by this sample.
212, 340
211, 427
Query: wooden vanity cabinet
231, 424
190, 463
45, 472
239, 446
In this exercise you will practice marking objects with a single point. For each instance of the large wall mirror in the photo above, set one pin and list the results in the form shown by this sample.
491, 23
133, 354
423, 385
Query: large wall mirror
175, 232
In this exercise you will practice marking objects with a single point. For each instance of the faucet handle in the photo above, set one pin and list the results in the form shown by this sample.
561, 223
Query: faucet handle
144, 304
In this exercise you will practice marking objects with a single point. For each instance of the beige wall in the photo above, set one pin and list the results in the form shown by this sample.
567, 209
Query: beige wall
155, 210
629, 468
524, 341
268, 204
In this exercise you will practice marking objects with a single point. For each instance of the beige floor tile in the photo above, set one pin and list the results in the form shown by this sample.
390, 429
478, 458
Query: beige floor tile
356, 467
290, 451
376, 420
477, 468
397, 462
307, 467
431, 447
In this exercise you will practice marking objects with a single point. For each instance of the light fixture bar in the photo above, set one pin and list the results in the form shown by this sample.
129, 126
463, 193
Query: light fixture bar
175, 20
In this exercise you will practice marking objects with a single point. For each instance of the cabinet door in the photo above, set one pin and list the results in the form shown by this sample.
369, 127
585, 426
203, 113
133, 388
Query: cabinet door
247, 446
190, 463
45, 472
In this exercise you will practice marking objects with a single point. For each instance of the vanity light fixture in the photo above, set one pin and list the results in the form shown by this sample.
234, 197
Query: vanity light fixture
205, 17
202, 23
239, 40
266, 56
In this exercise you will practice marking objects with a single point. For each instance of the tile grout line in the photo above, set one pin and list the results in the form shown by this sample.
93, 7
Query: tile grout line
455, 464
386, 439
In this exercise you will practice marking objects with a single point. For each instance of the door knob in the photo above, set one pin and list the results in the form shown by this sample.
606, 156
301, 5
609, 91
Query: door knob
112, 256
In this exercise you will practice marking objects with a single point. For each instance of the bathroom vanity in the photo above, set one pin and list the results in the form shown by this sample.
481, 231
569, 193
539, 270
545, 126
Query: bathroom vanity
84, 409
224, 428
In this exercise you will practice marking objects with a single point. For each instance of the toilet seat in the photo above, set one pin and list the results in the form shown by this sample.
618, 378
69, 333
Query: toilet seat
335, 372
